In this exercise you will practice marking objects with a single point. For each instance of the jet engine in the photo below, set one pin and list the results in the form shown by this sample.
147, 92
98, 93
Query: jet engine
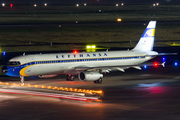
47, 76
89, 76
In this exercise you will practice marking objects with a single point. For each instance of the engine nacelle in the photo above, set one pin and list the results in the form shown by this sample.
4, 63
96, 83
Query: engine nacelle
89, 76
47, 76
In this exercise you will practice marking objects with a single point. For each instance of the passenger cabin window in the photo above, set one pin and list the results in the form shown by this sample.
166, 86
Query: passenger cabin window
14, 63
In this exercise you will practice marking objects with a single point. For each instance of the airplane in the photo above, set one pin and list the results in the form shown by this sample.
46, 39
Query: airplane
89, 66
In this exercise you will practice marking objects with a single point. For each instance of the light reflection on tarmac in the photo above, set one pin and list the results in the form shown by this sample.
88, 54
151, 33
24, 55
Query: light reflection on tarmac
152, 94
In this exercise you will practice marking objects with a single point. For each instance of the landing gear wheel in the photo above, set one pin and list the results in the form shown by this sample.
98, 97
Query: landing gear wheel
70, 78
99, 81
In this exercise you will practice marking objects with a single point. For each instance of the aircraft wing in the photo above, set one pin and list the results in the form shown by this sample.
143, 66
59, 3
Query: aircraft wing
120, 68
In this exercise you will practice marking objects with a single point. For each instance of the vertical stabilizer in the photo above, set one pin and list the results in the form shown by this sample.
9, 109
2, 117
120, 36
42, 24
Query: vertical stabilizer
146, 42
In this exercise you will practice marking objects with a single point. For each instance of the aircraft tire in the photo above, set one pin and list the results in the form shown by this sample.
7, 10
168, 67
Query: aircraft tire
67, 77
71, 78
99, 81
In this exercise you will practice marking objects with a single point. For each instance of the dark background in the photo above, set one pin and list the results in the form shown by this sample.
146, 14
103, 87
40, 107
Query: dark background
91, 1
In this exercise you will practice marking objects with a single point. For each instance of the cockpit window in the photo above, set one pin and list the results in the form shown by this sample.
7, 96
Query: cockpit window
14, 63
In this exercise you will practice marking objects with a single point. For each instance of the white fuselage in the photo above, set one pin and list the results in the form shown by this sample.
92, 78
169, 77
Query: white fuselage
66, 63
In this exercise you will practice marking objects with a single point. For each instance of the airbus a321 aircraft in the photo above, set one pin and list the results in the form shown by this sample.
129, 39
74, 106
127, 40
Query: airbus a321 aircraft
89, 66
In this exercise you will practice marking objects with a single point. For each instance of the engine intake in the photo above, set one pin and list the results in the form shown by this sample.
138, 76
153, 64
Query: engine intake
89, 76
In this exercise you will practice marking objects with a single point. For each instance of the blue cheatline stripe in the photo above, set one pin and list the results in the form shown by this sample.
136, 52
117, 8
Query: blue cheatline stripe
77, 60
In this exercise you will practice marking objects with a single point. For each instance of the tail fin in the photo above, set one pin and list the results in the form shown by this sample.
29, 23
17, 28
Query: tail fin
146, 42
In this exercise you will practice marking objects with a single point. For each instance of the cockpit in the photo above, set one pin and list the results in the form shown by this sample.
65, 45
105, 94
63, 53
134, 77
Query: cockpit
13, 63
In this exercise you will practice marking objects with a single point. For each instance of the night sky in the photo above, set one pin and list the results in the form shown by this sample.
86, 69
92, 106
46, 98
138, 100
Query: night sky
92, 1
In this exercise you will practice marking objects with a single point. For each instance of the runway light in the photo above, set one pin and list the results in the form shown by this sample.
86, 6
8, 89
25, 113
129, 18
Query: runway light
35, 5
175, 63
145, 66
85, 4
122, 4
155, 64
117, 5
77, 5
45, 4
56, 88
4, 53
163, 59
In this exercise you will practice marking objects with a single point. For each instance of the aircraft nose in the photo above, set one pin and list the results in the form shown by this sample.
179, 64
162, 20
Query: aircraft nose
4, 69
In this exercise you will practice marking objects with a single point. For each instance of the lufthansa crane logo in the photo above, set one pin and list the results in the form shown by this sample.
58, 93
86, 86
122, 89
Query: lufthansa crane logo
150, 33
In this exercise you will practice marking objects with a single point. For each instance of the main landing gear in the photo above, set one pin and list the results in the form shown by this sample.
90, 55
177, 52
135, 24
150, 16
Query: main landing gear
70, 77
99, 81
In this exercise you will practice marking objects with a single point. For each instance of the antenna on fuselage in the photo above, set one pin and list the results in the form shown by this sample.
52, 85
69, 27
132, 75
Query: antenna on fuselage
107, 50
24, 53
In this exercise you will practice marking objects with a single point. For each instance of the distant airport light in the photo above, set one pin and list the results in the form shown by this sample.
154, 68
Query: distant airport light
35, 5
11, 5
122, 4
85, 4
157, 4
3, 4
4, 53
154, 4
119, 20
45, 4
77, 5
88, 46
93, 46
75, 51
117, 5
